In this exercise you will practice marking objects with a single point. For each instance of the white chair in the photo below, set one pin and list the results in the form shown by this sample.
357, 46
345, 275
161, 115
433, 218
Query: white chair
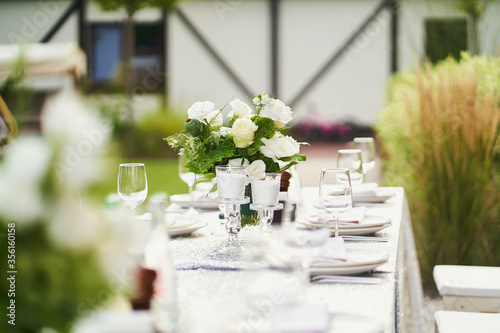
467, 322
469, 288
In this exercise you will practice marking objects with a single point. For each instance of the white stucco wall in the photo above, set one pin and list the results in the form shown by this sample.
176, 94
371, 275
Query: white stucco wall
29, 21
239, 35
310, 32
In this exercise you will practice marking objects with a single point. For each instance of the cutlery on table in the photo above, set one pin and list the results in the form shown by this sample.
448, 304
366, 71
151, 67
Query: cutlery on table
365, 239
345, 279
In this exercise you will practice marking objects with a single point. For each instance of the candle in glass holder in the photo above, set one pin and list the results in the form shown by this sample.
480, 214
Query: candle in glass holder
231, 182
266, 190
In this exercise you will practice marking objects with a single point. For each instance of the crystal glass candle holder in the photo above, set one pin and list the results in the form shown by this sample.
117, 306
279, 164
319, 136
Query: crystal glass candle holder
231, 192
265, 197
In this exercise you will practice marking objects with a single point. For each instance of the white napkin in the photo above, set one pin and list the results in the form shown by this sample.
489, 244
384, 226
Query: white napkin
365, 190
335, 251
303, 318
354, 215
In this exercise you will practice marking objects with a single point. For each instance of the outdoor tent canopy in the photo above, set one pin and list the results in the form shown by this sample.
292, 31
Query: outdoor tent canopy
44, 59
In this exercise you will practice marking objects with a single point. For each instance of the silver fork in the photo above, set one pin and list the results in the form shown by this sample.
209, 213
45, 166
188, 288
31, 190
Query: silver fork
366, 239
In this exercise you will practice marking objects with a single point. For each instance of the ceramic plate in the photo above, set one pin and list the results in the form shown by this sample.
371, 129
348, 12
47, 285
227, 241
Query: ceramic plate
184, 201
358, 261
187, 230
382, 195
361, 231
369, 221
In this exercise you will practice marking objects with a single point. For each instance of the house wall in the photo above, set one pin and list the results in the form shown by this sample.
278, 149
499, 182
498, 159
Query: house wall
310, 32
412, 34
29, 21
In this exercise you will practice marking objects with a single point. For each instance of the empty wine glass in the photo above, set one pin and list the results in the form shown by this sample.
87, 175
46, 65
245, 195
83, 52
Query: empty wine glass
352, 160
189, 178
335, 193
132, 184
367, 147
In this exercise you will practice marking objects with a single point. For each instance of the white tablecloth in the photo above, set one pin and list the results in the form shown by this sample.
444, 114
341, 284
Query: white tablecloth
247, 300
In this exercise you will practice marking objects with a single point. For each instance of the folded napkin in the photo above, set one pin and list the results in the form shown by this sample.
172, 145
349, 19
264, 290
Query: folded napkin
365, 190
335, 251
355, 215
303, 318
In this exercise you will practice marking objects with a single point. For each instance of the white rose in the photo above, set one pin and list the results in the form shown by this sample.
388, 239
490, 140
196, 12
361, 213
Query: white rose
277, 111
294, 143
216, 115
257, 169
243, 131
200, 110
240, 109
278, 147
238, 162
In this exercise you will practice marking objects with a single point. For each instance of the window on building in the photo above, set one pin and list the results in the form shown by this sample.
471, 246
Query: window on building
107, 55
445, 37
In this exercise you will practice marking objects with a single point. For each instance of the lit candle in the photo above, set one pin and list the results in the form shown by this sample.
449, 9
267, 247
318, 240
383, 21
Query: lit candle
266, 190
231, 182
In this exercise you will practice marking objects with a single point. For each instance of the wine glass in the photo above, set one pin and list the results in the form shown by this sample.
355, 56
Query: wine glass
335, 193
189, 178
367, 147
132, 184
352, 160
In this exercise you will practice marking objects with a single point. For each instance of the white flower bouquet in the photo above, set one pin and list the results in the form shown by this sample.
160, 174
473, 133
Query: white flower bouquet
250, 137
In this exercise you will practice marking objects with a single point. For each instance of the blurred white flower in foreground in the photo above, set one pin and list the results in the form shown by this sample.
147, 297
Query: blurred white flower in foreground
26, 162
80, 135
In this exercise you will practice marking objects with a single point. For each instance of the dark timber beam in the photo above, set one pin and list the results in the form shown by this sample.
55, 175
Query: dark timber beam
60, 22
274, 46
213, 53
336, 56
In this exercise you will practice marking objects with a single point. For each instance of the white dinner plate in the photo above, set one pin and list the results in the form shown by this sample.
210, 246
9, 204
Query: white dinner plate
369, 221
360, 231
382, 194
187, 230
358, 261
184, 200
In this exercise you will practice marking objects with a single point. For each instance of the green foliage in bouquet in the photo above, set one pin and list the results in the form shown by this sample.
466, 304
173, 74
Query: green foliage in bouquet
246, 138
440, 133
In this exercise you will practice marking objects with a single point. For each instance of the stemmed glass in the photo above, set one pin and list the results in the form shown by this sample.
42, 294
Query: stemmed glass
335, 193
367, 147
132, 184
352, 160
189, 178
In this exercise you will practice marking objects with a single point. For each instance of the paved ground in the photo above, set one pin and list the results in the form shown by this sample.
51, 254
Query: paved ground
324, 155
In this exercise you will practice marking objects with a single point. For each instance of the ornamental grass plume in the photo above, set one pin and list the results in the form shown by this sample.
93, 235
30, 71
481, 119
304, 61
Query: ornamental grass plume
440, 132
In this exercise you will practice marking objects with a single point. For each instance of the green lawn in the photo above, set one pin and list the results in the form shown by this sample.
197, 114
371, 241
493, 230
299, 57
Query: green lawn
162, 177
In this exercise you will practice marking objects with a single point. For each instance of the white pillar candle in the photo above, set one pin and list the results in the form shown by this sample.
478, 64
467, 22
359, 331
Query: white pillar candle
266, 190
231, 185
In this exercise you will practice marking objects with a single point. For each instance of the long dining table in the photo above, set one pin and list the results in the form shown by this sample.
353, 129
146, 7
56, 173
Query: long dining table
233, 297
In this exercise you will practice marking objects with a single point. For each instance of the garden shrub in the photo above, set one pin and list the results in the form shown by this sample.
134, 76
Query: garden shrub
439, 133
